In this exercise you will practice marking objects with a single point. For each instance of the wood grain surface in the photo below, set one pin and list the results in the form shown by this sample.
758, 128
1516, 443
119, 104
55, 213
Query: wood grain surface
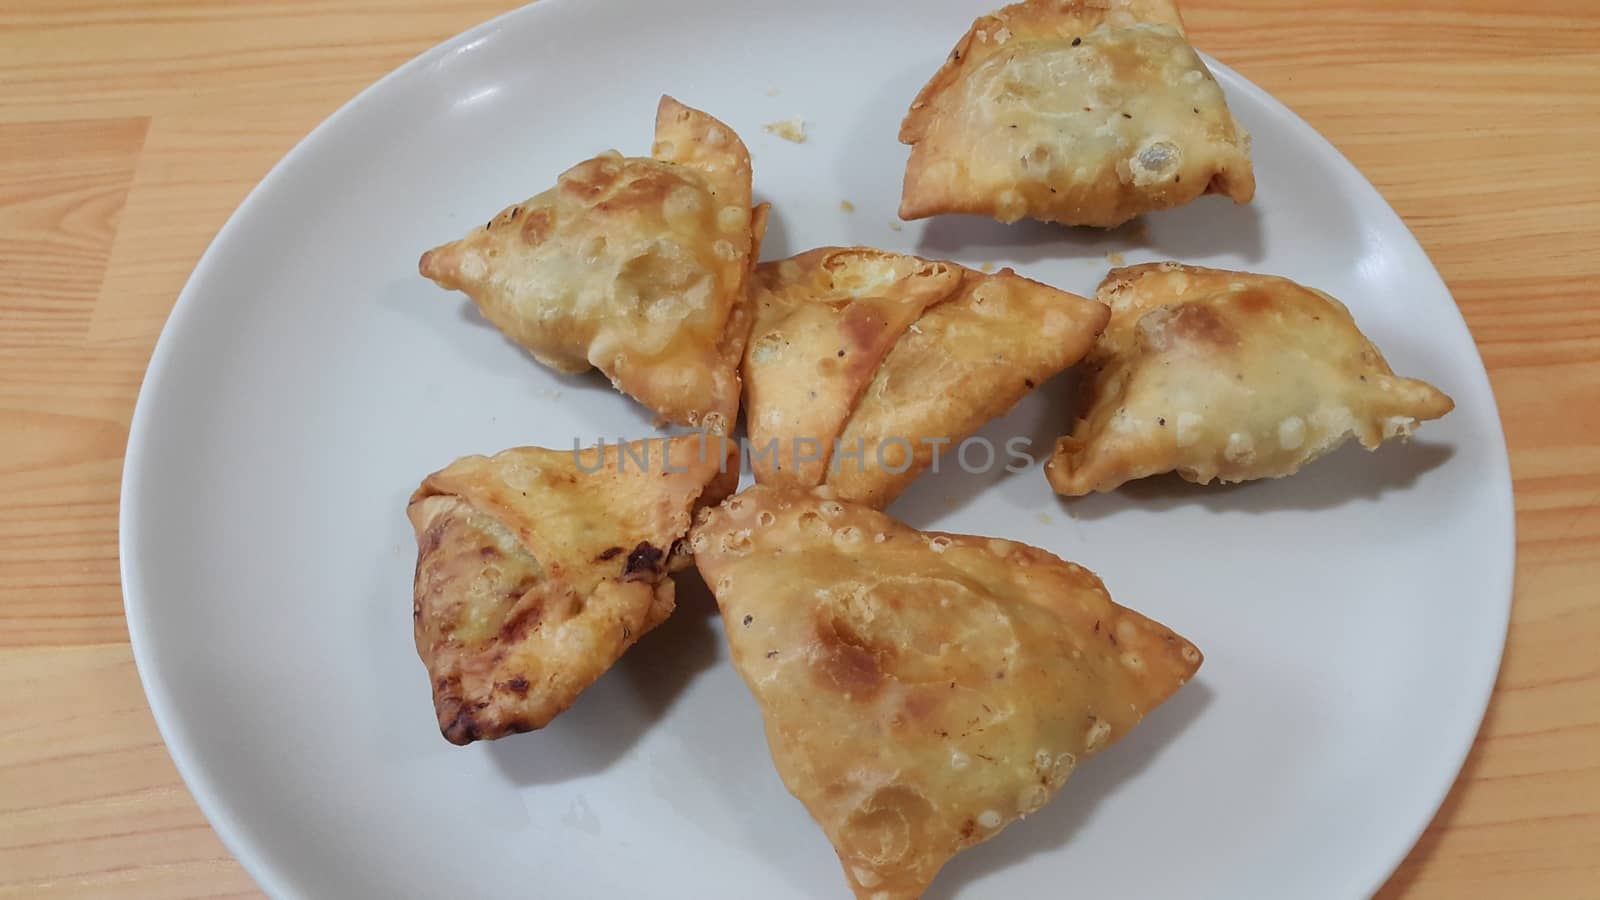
130, 129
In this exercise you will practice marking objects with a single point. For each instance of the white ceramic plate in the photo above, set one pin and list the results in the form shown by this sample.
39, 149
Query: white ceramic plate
1351, 616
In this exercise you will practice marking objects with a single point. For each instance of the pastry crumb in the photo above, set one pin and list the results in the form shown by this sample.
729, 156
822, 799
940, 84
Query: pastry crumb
793, 130
772, 92
847, 206
986, 268
1044, 519
893, 225
1116, 259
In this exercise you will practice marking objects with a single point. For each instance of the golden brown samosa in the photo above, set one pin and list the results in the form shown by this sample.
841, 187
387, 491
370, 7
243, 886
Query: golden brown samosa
922, 691
1227, 375
1083, 112
537, 568
636, 266
863, 363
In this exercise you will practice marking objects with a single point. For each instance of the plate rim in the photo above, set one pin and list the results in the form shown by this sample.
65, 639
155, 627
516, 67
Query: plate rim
223, 817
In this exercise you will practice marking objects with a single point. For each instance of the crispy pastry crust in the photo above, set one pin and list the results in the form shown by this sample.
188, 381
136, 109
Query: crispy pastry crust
535, 573
824, 322
636, 266
921, 691
1217, 374
886, 353
1083, 112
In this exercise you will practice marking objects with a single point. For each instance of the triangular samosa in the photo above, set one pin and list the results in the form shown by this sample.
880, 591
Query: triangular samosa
537, 568
863, 364
1083, 112
922, 691
1227, 375
635, 266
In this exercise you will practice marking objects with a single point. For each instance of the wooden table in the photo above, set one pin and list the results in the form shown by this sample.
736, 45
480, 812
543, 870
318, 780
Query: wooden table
130, 129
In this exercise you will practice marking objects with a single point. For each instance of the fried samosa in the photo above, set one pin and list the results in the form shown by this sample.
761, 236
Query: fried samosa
1083, 112
862, 363
1227, 375
537, 568
638, 267
921, 691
